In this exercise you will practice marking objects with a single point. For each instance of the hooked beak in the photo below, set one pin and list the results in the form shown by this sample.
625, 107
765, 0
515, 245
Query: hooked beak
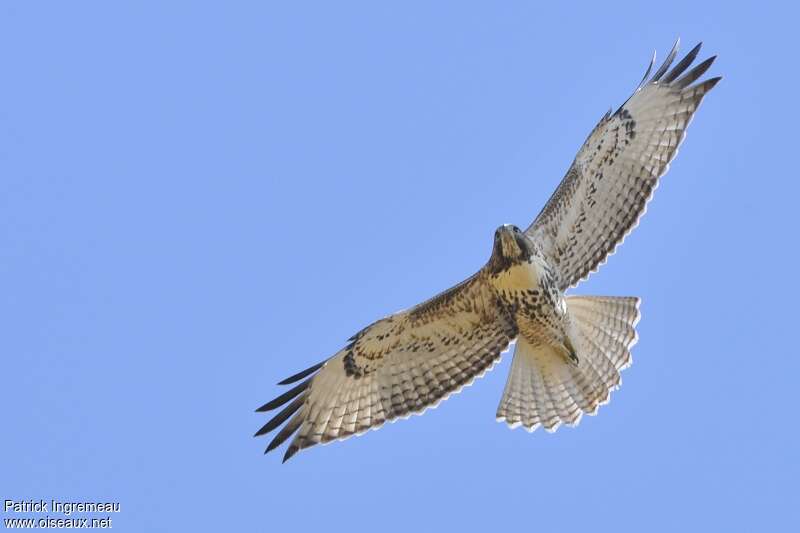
509, 243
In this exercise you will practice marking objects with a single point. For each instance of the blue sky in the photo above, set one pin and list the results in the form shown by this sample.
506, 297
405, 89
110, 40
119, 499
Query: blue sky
199, 200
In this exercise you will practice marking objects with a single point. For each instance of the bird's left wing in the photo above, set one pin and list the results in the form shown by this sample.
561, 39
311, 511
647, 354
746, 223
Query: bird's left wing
396, 367
617, 169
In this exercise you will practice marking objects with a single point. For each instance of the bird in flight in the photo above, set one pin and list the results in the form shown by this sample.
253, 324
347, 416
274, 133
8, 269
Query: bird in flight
569, 349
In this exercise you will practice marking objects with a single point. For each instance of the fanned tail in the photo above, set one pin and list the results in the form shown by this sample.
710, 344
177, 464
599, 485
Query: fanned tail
545, 389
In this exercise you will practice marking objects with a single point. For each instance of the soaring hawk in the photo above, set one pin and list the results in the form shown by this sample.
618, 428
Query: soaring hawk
569, 349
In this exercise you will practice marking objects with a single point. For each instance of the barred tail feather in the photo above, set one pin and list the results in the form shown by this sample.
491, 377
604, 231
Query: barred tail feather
545, 389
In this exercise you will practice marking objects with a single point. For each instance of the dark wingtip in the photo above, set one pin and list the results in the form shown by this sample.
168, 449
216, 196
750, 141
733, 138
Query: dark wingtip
301, 375
683, 64
285, 397
667, 61
271, 446
263, 431
290, 451
708, 84
712, 82
281, 417
694, 74
647, 72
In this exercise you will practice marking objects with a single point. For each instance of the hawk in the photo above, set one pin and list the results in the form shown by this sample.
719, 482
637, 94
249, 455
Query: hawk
569, 349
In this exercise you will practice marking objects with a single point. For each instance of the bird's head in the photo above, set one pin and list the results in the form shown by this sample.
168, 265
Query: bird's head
511, 246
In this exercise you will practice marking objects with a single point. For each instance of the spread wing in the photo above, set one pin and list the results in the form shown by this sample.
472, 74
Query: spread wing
398, 366
617, 169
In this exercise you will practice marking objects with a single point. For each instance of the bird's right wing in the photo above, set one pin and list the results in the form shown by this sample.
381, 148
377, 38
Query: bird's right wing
617, 169
398, 366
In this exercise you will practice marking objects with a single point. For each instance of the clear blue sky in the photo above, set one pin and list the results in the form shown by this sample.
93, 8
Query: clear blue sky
197, 201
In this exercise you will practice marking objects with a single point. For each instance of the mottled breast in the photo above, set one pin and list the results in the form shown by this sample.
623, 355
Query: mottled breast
530, 290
